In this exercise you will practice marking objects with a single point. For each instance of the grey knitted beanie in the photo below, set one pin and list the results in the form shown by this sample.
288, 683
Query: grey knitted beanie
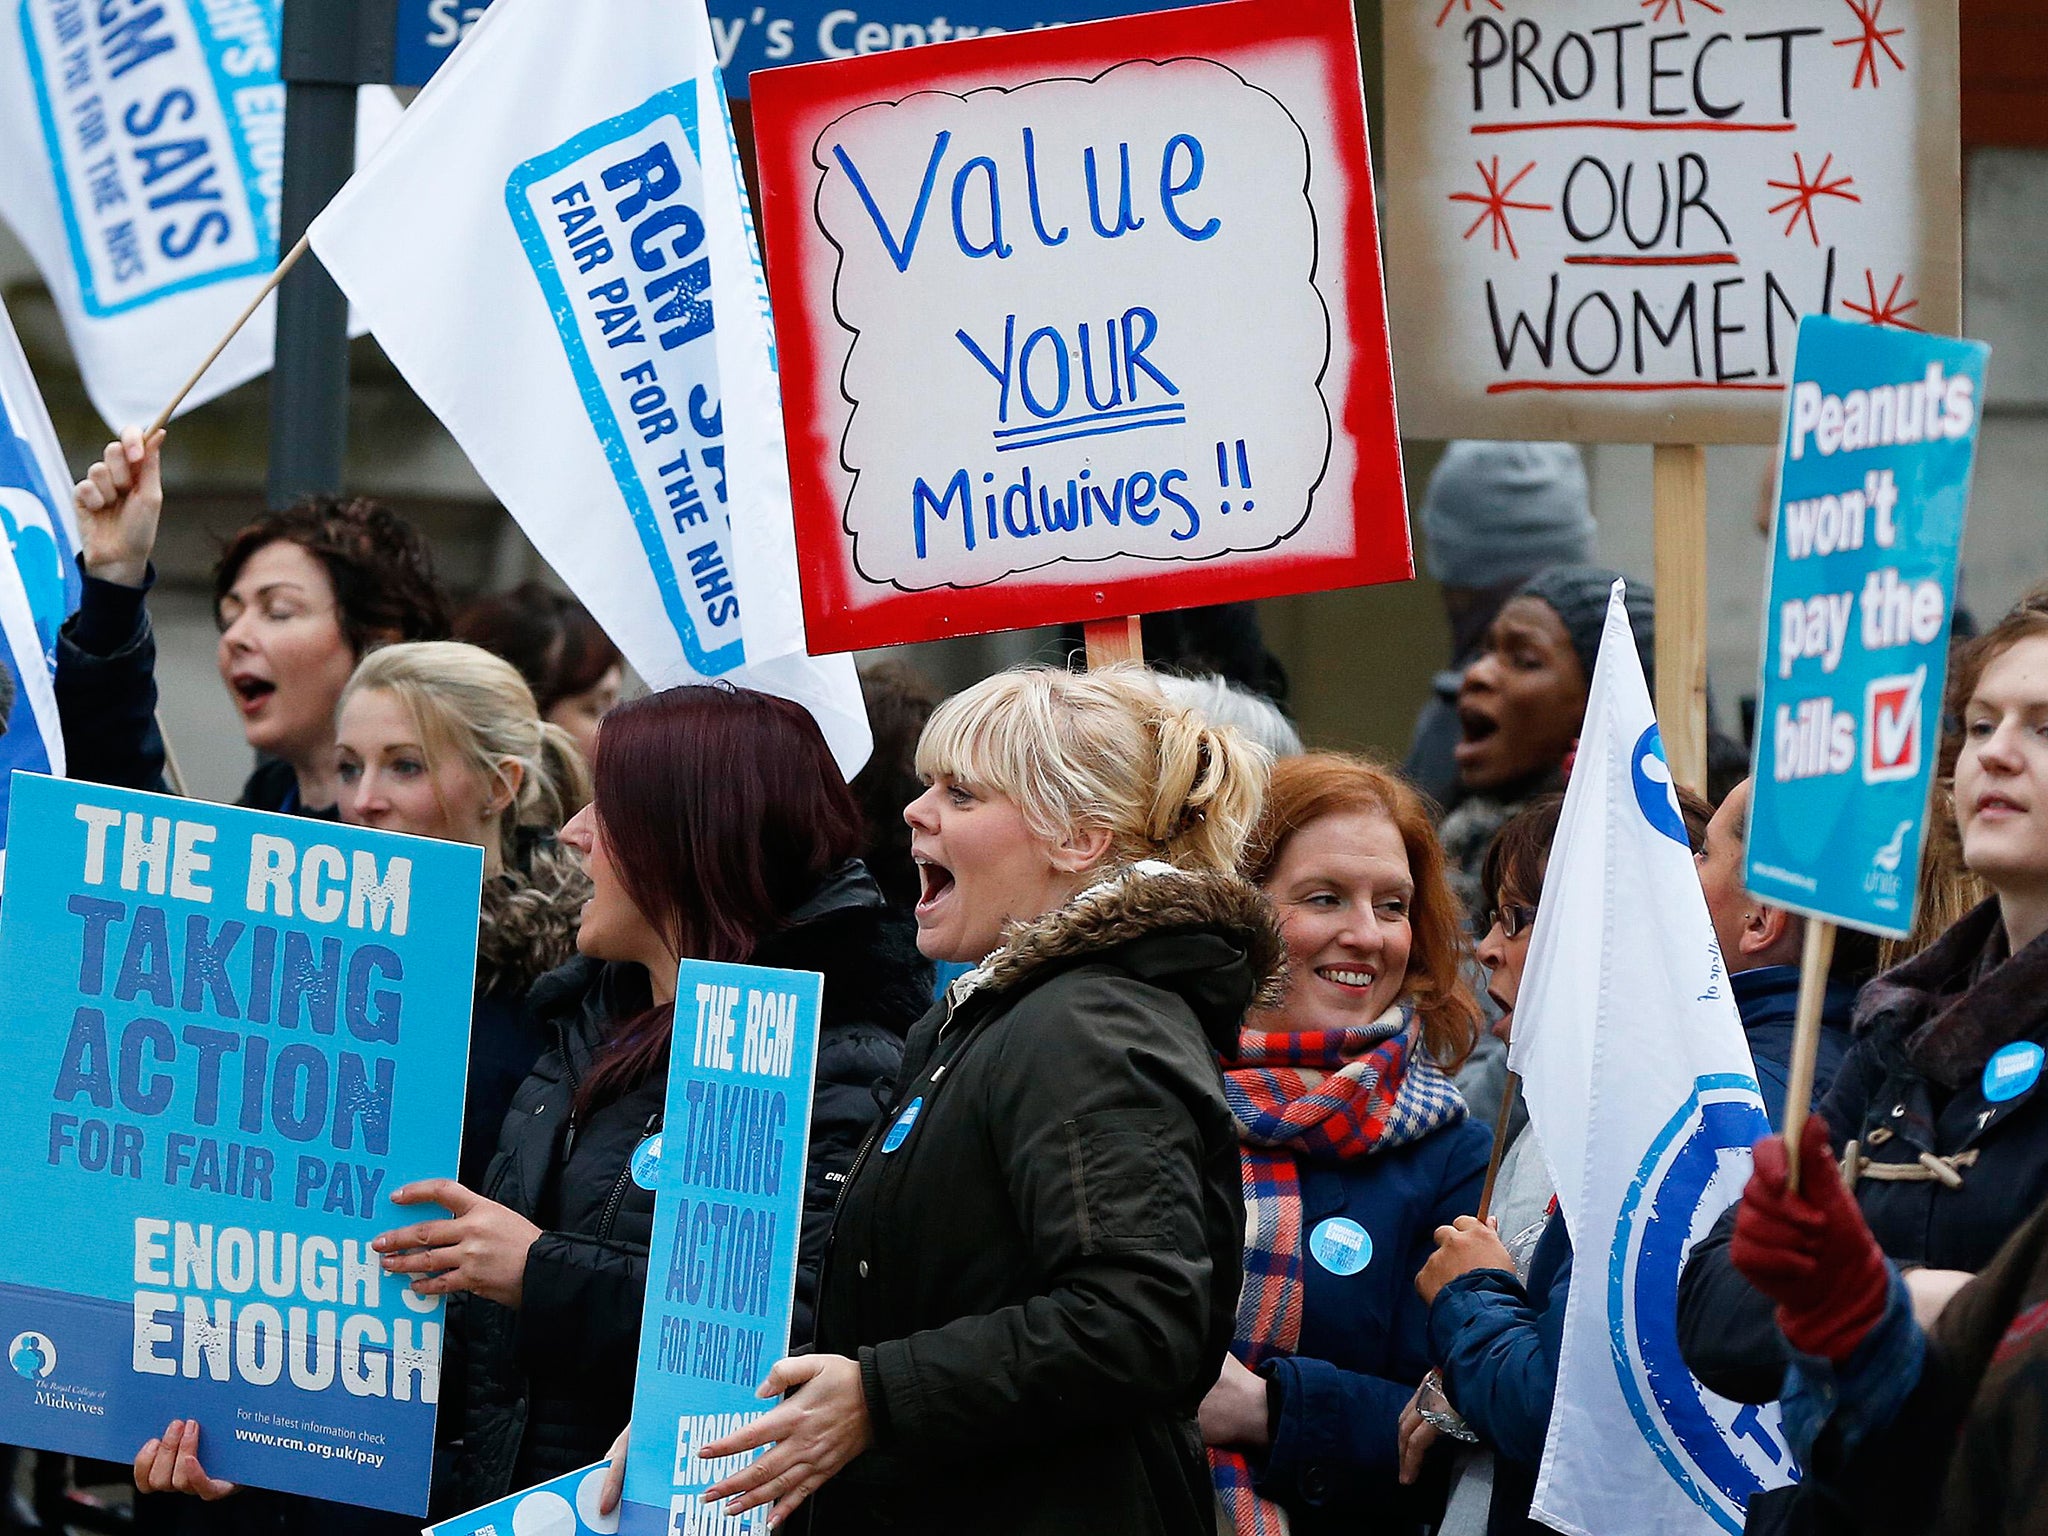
1496, 512
1578, 595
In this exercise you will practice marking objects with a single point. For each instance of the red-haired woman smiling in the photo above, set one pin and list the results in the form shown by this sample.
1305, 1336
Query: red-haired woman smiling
1356, 1148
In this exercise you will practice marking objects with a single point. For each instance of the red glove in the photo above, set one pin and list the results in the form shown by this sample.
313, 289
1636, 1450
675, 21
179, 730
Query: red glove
1811, 1252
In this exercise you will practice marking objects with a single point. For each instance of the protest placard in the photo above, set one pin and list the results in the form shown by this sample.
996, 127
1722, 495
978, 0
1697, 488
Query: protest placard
1606, 217
230, 1036
562, 208
727, 1171
1873, 482
562, 1506
141, 163
1081, 323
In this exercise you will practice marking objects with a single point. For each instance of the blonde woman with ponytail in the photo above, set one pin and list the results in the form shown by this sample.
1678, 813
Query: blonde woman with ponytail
1035, 1261
441, 739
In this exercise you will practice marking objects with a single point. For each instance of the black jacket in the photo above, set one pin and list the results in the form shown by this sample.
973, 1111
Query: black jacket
106, 687
1911, 1084
548, 1386
1037, 1266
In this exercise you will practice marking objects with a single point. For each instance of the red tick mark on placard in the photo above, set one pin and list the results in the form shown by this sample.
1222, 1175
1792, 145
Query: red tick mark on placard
1495, 202
1805, 191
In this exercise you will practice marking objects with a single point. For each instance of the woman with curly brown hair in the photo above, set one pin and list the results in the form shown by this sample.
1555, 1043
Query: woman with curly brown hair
1355, 1148
300, 595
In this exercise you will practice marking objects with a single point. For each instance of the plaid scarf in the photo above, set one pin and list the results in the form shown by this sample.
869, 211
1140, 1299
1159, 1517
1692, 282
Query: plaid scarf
1326, 1095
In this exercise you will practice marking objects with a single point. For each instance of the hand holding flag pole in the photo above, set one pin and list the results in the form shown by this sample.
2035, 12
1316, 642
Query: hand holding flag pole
1814, 960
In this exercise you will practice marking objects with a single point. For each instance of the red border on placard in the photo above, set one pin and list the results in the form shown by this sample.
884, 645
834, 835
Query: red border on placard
792, 106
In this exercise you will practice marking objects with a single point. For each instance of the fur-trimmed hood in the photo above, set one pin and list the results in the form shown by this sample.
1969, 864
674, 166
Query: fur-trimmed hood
1943, 1012
1154, 901
529, 919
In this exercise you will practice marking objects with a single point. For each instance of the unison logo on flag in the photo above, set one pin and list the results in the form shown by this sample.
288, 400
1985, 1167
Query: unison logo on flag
163, 187
612, 224
1720, 1453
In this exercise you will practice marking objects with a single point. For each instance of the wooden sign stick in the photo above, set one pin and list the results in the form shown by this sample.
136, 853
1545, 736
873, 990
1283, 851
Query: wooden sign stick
1814, 960
1679, 508
270, 283
1112, 640
1500, 1144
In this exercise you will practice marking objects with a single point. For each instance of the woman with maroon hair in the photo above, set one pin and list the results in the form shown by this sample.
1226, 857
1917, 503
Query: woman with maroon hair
721, 830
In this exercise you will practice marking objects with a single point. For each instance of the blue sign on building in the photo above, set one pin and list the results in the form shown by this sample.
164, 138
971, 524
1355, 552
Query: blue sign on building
230, 1037
762, 36
727, 1169
1873, 481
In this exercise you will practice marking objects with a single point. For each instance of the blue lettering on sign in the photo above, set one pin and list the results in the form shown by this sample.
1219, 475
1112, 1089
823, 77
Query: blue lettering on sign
165, 128
612, 223
1341, 1246
752, 36
2012, 1070
1719, 1452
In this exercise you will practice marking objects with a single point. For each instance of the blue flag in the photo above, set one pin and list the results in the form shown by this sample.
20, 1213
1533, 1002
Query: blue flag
39, 578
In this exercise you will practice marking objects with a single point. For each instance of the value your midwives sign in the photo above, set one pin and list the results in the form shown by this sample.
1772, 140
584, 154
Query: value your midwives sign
230, 1036
1606, 217
1880, 439
1081, 323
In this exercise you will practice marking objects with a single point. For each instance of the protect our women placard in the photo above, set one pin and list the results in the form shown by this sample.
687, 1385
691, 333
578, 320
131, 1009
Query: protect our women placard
230, 1036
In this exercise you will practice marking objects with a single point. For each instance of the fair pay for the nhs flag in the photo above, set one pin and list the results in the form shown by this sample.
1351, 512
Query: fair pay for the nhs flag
1873, 483
230, 1037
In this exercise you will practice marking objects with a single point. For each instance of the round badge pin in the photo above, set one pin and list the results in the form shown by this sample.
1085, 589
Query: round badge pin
900, 1131
2012, 1071
647, 1161
1341, 1245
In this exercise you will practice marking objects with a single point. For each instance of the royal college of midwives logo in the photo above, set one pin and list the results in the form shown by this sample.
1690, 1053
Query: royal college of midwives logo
33, 1356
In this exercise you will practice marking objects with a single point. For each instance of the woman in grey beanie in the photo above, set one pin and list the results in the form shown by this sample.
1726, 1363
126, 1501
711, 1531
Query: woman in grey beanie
1523, 700
1495, 514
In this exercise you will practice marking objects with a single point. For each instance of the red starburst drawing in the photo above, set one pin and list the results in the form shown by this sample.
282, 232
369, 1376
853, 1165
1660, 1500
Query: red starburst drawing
1495, 202
1657, 8
1805, 191
1451, 5
1870, 41
1885, 311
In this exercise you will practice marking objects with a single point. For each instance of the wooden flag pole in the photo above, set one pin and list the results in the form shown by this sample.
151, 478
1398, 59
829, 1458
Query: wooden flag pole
1112, 640
270, 283
1814, 960
1500, 1144
1679, 510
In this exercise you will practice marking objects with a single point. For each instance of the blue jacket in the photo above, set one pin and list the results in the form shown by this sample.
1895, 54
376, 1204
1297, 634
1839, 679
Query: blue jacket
1338, 1399
1496, 1340
1768, 1000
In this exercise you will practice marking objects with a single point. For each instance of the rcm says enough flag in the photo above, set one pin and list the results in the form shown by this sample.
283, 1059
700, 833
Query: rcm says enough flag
554, 249
1641, 1089
141, 163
